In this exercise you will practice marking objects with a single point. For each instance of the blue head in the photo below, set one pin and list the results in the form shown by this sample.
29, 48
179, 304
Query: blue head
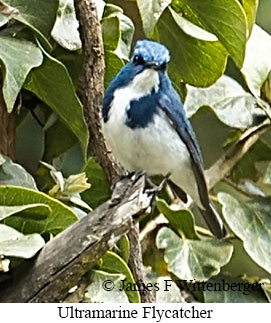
150, 54
147, 55
149, 58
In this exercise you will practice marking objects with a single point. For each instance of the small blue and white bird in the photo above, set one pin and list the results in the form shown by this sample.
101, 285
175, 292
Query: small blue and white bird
145, 125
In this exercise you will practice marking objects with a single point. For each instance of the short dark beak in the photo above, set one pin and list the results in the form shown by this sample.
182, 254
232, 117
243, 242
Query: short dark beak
152, 64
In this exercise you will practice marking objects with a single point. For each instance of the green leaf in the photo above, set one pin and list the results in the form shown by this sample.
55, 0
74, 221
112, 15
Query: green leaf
204, 122
99, 192
39, 16
242, 264
119, 38
246, 168
226, 19
250, 8
194, 61
233, 290
181, 220
14, 174
193, 259
112, 263
257, 64
15, 244
54, 143
150, 12
72, 60
232, 104
96, 292
68, 187
59, 219
18, 57
52, 84
251, 222
127, 32
113, 65
123, 248
65, 30
38, 208
183, 8
3, 19
192, 29
111, 32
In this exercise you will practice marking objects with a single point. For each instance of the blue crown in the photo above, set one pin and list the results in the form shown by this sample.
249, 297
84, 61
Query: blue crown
152, 51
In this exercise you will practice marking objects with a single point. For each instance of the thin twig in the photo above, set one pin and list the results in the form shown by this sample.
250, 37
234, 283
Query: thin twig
223, 166
152, 225
136, 264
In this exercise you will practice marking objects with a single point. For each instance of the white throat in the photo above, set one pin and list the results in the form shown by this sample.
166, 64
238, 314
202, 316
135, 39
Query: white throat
145, 82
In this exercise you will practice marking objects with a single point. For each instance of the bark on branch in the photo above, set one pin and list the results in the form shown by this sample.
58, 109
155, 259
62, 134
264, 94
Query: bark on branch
136, 263
92, 83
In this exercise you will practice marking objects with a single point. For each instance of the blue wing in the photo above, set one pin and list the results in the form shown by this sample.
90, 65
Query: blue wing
170, 103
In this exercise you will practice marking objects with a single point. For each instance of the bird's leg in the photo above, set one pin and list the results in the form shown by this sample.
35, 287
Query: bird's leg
121, 185
152, 192
156, 188
151, 189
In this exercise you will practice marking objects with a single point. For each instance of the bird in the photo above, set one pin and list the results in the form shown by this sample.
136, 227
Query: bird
146, 128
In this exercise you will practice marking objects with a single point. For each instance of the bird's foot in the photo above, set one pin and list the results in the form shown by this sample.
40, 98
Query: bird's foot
150, 189
155, 189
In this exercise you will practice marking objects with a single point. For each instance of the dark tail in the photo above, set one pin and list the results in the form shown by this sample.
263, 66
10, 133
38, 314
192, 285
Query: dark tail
214, 221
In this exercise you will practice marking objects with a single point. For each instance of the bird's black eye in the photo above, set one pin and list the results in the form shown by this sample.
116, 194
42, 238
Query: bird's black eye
138, 60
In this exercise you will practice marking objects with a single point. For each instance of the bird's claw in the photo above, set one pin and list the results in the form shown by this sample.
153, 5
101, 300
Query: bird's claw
155, 189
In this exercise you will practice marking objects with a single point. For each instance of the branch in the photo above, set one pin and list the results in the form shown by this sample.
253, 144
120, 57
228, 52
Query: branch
223, 166
92, 83
66, 258
135, 263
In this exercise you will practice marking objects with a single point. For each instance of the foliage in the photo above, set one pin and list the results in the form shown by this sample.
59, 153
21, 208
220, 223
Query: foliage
221, 66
